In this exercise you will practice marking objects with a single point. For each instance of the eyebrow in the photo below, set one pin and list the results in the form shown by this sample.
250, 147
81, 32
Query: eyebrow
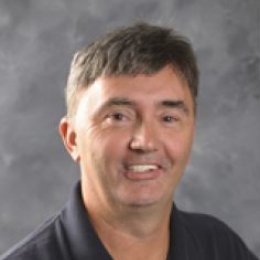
179, 104
117, 102
176, 104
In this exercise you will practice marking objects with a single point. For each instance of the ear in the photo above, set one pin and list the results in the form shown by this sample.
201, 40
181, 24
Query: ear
69, 137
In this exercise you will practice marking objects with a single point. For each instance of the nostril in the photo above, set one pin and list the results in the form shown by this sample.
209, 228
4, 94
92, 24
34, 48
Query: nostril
142, 145
144, 138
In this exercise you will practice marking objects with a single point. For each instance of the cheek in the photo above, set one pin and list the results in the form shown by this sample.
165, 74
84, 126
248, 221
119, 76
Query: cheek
103, 144
180, 146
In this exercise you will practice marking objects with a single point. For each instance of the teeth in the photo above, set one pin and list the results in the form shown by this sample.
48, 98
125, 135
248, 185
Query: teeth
142, 167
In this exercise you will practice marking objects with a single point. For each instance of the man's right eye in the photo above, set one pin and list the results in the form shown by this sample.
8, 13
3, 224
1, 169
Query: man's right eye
117, 116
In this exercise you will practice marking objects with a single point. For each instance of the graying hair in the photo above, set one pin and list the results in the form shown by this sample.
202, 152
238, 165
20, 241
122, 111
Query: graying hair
138, 49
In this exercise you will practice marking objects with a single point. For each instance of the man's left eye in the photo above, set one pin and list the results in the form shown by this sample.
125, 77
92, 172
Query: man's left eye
169, 119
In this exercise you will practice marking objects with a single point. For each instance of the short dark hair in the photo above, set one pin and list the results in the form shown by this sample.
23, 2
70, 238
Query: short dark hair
138, 49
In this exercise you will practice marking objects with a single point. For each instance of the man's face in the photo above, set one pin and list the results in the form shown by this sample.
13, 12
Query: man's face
133, 136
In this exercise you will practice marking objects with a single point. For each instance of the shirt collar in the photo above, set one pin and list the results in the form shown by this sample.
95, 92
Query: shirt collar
84, 243
82, 238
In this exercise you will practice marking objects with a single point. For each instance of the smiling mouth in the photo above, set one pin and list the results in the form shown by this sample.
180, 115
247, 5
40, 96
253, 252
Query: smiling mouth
142, 167
141, 172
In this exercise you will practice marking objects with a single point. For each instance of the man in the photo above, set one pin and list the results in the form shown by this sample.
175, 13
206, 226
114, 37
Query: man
131, 116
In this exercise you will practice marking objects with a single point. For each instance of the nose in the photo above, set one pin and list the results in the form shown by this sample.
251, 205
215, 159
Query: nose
144, 139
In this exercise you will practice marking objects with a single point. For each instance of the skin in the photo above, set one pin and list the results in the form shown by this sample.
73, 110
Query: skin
123, 121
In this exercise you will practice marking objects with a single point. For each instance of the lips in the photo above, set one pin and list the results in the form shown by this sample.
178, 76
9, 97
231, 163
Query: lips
141, 172
142, 167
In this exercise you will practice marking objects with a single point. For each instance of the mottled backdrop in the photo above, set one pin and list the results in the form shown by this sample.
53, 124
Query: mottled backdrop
37, 40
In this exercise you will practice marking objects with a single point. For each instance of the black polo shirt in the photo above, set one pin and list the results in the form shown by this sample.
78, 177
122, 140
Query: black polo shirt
70, 236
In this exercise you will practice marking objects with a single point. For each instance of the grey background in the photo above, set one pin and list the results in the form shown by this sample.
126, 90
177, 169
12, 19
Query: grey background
37, 40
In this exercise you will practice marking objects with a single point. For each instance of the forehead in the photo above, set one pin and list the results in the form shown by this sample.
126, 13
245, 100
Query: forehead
142, 88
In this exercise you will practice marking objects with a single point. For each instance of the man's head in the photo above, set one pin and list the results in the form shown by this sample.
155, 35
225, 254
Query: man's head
131, 116
140, 49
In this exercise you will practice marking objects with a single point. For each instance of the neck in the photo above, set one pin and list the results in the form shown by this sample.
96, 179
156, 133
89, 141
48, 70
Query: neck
130, 232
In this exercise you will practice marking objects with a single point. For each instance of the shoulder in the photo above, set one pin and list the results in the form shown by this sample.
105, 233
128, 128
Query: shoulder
214, 237
40, 244
203, 224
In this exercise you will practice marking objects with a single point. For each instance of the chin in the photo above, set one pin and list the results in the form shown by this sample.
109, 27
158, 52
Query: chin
142, 204
143, 194
142, 200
